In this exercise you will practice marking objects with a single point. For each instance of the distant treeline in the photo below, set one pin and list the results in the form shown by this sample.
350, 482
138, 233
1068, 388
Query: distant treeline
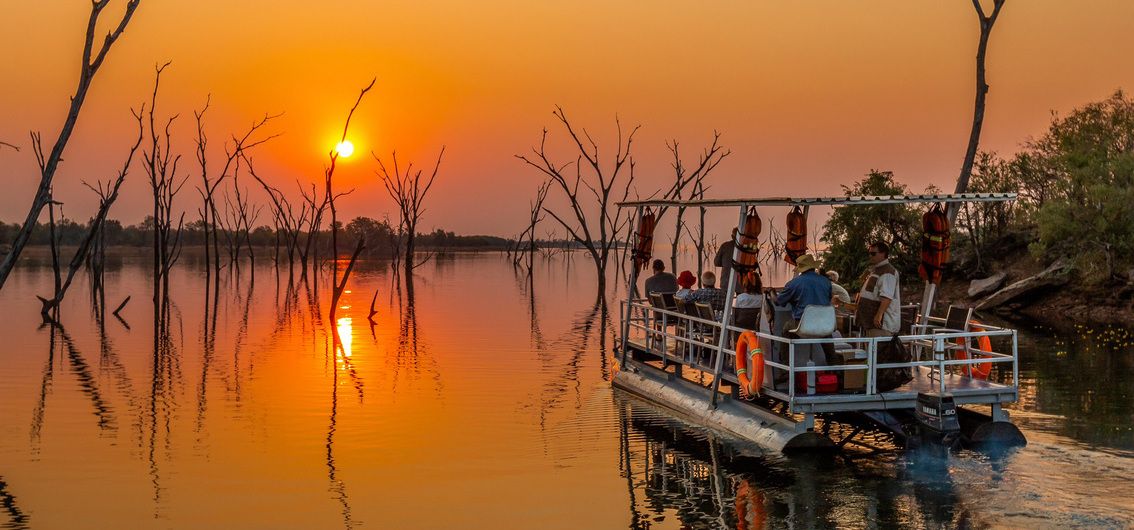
381, 237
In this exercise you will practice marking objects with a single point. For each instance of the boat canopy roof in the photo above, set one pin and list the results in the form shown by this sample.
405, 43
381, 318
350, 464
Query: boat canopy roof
862, 200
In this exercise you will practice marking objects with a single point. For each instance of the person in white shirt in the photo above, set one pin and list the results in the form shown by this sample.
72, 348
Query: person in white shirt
839, 293
753, 295
882, 285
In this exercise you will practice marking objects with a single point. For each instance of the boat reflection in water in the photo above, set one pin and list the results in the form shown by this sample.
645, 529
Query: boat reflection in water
679, 471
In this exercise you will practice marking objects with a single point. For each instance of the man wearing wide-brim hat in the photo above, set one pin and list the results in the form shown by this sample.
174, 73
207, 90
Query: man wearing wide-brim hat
808, 288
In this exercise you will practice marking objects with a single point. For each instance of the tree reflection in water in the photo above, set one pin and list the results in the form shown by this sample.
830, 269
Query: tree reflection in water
676, 470
17, 519
410, 357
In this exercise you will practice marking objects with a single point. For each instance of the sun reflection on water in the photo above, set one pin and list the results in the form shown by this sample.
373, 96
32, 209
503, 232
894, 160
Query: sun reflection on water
345, 338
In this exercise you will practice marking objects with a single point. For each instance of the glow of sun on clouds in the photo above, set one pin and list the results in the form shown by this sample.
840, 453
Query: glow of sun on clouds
345, 148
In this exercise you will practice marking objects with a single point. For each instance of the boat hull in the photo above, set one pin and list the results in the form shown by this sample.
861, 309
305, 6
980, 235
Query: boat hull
692, 401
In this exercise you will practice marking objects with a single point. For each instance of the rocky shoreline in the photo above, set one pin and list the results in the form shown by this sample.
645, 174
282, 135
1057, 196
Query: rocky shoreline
1049, 294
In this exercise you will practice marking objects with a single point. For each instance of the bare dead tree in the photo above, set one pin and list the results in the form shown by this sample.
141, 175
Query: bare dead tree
408, 190
315, 207
986, 22
107, 193
288, 222
708, 161
534, 218
698, 238
92, 60
245, 215
233, 152
161, 167
330, 196
590, 193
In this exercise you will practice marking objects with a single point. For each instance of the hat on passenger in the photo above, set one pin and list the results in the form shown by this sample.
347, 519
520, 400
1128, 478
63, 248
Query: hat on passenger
805, 263
686, 279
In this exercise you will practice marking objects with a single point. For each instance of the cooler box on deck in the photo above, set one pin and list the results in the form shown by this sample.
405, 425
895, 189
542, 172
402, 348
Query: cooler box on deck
853, 380
825, 383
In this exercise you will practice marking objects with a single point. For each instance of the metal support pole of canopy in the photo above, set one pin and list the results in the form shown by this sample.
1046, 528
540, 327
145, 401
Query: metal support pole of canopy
927, 300
635, 224
726, 314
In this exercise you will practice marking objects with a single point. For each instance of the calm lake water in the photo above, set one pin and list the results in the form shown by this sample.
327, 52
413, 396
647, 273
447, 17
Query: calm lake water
482, 401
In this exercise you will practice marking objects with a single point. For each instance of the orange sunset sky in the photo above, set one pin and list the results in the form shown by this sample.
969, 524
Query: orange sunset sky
808, 95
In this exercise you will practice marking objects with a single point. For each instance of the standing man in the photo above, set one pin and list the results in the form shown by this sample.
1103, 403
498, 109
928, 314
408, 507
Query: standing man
882, 290
723, 258
661, 281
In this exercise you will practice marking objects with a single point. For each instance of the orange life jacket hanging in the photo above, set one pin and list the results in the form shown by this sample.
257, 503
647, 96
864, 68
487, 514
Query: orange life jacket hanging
934, 244
644, 244
796, 244
747, 245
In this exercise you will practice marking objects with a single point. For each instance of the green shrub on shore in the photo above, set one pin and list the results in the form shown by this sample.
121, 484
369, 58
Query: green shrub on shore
850, 229
1076, 202
1076, 186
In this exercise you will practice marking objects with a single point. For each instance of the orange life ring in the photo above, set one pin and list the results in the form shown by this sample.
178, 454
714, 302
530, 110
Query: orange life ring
978, 370
748, 345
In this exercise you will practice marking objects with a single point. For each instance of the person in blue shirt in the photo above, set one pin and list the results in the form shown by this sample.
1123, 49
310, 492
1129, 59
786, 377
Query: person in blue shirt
808, 288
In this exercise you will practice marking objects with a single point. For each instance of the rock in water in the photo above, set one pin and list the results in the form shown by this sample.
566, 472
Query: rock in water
981, 287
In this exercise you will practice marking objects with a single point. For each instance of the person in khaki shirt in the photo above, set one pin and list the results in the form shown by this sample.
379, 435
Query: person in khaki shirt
881, 286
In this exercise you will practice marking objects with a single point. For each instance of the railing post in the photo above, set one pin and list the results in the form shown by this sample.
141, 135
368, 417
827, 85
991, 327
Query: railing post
791, 373
630, 293
871, 369
1015, 366
727, 314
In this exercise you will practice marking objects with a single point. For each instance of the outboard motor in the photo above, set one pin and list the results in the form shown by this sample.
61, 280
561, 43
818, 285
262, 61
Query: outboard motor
937, 423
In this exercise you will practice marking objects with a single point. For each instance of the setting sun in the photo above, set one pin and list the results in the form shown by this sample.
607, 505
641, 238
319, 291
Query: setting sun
345, 148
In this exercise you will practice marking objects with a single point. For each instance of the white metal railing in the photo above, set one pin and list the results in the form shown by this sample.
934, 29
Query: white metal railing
652, 324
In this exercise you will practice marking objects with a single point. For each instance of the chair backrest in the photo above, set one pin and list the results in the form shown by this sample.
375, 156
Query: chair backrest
817, 321
705, 311
746, 317
656, 300
957, 318
909, 317
669, 300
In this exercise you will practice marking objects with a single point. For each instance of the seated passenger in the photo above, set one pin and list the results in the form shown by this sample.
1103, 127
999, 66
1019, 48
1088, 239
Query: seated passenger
661, 281
839, 294
708, 293
753, 295
746, 308
685, 281
809, 288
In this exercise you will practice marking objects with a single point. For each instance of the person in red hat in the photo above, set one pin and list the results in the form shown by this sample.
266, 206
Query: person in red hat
685, 281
